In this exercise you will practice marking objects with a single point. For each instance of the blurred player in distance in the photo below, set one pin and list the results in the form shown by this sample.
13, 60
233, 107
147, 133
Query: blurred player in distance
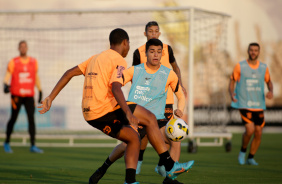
249, 76
22, 70
152, 31
150, 82
104, 106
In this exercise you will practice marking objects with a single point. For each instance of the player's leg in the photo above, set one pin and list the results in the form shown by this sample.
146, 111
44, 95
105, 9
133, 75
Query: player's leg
116, 125
30, 109
144, 143
259, 124
15, 108
148, 120
175, 148
247, 135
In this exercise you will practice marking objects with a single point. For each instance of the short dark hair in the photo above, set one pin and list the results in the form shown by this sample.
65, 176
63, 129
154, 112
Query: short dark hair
253, 44
117, 36
149, 24
21, 42
155, 42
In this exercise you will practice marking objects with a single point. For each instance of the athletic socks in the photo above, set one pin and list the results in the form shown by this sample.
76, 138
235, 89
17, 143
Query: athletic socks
141, 153
243, 149
250, 156
130, 175
106, 165
166, 160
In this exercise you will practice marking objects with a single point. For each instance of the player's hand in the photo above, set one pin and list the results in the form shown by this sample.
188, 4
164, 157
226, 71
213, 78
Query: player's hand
184, 91
39, 97
233, 97
269, 95
133, 121
6, 88
45, 105
178, 113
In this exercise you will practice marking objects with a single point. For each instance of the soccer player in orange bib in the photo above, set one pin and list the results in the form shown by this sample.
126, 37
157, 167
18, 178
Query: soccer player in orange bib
152, 31
248, 96
23, 71
104, 106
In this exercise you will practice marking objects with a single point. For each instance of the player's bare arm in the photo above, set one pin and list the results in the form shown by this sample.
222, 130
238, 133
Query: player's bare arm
180, 103
6, 82
269, 94
176, 69
231, 90
47, 102
118, 94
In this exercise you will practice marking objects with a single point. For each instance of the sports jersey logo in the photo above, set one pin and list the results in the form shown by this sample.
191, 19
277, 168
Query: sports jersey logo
120, 71
107, 130
163, 72
92, 73
147, 78
86, 109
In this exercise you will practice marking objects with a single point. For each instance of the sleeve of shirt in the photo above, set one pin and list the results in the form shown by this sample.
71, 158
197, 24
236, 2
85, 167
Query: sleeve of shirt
11, 66
267, 75
118, 71
128, 75
136, 58
36, 66
171, 55
82, 66
173, 81
236, 73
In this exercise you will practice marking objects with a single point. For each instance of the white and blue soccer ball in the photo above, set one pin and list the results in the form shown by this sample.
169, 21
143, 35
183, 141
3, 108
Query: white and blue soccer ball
176, 130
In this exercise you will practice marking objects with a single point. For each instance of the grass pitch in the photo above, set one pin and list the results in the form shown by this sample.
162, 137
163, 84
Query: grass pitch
75, 165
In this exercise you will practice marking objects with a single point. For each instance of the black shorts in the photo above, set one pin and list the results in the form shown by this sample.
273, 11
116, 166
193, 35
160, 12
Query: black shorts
142, 130
168, 111
112, 122
256, 117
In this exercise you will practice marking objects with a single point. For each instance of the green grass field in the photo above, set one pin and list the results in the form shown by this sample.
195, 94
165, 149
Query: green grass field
75, 165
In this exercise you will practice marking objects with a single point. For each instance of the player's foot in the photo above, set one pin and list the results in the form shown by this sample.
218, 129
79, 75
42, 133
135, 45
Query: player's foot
252, 161
170, 181
241, 158
160, 170
179, 168
138, 169
132, 183
96, 176
7, 148
35, 149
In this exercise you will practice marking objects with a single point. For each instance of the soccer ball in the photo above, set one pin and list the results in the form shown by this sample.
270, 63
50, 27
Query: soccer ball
176, 130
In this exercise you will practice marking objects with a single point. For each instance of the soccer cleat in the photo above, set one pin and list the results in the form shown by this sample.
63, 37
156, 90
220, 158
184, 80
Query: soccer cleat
160, 170
138, 169
179, 168
170, 181
35, 149
7, 148
96, 176
132, 183
241, 158
252, 161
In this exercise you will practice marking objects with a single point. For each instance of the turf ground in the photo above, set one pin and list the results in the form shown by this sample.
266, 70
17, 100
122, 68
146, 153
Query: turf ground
75, 165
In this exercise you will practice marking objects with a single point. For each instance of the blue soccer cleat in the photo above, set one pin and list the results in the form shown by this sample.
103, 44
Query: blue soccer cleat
241, 158
160, 170
138, 169
132, 183
252, 161
35, 149
179, 168
7, 148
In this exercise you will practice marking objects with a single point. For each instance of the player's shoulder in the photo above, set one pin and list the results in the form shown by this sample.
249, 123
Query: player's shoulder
142, 48
264, 65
